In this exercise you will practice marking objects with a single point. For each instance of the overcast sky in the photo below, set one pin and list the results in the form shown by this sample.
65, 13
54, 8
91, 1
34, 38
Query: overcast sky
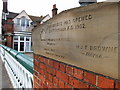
39, 7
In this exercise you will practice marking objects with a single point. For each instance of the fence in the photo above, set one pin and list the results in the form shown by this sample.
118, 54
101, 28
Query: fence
18, 66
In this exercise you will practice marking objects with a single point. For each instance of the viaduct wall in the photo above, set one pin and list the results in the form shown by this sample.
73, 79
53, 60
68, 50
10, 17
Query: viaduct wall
78, 48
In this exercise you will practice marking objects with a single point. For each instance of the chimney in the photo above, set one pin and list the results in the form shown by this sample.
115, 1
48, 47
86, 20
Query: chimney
5, 10
54, 10
86, 2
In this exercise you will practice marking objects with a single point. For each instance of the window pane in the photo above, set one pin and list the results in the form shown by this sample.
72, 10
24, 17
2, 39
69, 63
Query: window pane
16, 46
27, 38
18, 21
21, 46
15, 37
21, 38
27, 46
31, 47
23, 21
27, 23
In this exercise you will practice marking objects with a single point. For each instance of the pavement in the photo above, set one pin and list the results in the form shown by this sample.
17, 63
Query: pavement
5, 82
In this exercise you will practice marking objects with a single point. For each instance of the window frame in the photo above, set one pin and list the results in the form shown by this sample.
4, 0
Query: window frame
25, 41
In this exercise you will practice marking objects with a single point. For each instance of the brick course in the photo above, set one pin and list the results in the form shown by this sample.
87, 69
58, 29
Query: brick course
49, 73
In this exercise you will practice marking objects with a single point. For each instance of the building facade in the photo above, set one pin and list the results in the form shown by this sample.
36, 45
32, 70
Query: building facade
17, 27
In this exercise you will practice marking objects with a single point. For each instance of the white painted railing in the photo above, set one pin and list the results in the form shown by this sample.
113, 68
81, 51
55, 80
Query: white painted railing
18, 66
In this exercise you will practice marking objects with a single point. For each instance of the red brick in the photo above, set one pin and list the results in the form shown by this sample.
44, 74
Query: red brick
61, 84
39, 82
71, 81
79, 84
76, 83
36, 63
58, 74
78, 73
62, 67
46, 61
36, 85
41, 78
105, 82
46, 82
69, 70
42, 59
35, 79
54, 86
35, 73
54, 72
49, 69
50, 85
117, 86
43, 66
50, 78
94, 88
67, 86
44, 86
55, 81
56, 65
35, 57
50, 63
46, 75
39, 59
41, 71
83, 85
90, 78
62, 76
36, 68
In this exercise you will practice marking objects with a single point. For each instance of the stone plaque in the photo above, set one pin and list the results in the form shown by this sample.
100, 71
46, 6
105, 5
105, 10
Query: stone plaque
86, 37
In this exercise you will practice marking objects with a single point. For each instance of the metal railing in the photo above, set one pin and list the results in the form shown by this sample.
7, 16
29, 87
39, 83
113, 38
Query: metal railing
18, 66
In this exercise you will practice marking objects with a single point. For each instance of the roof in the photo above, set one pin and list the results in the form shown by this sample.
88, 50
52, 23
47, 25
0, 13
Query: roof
46, 16
12, 15
36, 18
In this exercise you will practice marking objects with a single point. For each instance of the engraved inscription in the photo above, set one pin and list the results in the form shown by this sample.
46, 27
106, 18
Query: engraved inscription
86, 37
67, 25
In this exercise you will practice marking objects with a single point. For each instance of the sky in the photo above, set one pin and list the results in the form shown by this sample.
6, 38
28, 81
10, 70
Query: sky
39, 7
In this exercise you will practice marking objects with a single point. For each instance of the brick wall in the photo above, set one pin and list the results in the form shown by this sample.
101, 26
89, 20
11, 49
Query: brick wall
49, 73
8, 26
8, 30
9, 41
